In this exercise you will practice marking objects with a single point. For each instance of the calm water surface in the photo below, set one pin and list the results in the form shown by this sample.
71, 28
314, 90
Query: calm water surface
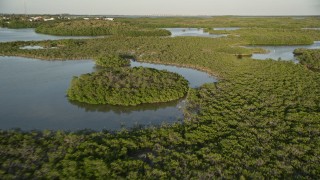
33, 94
196, 78
227, 28
9, 35
192, 32
283, 52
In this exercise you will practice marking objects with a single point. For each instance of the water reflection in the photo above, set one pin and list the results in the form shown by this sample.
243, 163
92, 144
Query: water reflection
33, 96
196, 78
282, 52
192, 32
29, 34
128, 109
226, 28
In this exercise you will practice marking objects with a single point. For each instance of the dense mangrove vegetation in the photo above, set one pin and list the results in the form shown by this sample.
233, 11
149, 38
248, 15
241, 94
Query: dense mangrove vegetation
309, 57
96, 28
21, 21
261, 120
128, 86
180, 50
225, 21
273, 36
111, 61
254, 30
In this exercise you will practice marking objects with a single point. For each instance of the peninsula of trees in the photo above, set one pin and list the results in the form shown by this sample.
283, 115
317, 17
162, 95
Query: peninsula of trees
97, 28
309, 57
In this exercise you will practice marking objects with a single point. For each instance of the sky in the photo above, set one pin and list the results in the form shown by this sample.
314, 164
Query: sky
162, 7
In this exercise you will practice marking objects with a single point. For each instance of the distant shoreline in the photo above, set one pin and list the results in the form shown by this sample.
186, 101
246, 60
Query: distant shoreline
156, 15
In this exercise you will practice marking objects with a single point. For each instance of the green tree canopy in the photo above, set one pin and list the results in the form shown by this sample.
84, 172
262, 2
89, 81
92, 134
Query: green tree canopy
128, 86
111, 61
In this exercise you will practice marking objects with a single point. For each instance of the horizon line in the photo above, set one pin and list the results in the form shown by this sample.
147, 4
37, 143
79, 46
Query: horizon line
159, 15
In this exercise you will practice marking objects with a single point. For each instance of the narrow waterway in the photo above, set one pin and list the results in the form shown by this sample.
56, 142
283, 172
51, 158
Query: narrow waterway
199, 32
33, 93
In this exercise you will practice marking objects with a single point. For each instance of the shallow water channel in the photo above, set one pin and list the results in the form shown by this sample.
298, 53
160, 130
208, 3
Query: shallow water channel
199, 32
282, 52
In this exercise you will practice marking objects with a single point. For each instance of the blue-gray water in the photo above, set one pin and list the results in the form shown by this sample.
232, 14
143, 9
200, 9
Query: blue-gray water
226, 28
282, 52
9, 35
33, 95
196, 78
192, 32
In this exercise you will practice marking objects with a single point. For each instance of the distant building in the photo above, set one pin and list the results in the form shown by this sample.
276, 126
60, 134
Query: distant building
50, 19
109, 19
86, 18
38, 18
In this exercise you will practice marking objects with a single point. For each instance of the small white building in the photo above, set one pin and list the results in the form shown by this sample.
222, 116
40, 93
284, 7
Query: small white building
109, 19
50, 19
38, 18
